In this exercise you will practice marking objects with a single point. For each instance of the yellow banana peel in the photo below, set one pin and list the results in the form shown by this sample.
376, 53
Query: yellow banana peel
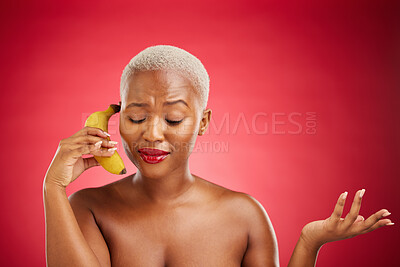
99, 119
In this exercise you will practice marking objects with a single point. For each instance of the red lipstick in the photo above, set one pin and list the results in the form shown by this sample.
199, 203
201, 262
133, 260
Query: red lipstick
152, 155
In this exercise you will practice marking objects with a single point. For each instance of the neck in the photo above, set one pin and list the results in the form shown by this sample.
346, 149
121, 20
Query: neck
167, 188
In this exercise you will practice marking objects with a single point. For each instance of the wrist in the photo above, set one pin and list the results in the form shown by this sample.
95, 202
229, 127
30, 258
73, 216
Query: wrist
49, 185
310, 244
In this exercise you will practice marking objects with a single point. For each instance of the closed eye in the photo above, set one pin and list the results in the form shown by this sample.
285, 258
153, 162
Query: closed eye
136, 121
169, 121
174, 122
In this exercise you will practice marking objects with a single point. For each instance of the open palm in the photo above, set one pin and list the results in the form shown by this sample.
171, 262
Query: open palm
336, 228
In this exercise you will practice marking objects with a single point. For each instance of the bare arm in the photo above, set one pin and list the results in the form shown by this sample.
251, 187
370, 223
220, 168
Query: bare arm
65, 243
72, 236
262, 247
304, 255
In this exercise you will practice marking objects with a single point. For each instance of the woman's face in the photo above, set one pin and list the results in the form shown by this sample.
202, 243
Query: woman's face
161, 110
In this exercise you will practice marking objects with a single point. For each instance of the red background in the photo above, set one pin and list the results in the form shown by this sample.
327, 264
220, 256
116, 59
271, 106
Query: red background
339, 59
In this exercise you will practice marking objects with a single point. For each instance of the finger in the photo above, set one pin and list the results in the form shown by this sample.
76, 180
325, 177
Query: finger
359, 219
89, 149
90, 139
104, 152
355, 209
90, 162
72, 146
374, 218
96, 149
91, 131
338, 210
379, 224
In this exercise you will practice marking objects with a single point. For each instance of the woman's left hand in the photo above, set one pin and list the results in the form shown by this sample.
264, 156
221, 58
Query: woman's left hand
334, 228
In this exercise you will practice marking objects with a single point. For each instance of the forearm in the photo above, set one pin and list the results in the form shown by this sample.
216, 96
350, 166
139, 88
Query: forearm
304, 255
65, 243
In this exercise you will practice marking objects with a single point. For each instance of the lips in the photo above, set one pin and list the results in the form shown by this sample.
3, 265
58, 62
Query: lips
152, 155
153, 151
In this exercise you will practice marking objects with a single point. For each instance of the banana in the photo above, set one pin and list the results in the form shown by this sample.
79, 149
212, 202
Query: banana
99, 119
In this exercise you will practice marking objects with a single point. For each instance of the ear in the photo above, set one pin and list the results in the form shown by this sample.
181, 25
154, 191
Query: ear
205, 121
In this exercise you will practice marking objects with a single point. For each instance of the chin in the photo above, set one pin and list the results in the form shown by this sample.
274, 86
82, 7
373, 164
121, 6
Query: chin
153, 171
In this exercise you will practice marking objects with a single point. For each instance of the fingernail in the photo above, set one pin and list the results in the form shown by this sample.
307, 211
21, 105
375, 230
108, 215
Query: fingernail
344, 195
112, 149
390, 223
98, 144
362, 193
106, 133
386, 214
113, 142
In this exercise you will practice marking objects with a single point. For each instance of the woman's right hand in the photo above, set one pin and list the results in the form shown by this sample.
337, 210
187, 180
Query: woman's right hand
68, 163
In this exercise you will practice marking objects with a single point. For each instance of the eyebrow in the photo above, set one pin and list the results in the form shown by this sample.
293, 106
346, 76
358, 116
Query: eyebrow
168, 103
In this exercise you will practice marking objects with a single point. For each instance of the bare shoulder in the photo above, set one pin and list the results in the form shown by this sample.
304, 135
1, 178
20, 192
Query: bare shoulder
249, 206
262, 247
244, 209
241, 202
245, 204
87, 194
94, 195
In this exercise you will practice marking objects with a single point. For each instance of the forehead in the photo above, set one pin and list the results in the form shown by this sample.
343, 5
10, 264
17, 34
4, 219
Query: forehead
143, 85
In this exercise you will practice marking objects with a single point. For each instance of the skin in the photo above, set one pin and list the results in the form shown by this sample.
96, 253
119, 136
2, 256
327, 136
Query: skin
163, 215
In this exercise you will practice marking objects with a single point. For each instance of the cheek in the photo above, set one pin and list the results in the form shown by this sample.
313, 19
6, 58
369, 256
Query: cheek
184, 130
128, 131
183, 137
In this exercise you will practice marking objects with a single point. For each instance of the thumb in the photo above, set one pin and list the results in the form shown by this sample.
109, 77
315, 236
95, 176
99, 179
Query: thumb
90, 162
359, 218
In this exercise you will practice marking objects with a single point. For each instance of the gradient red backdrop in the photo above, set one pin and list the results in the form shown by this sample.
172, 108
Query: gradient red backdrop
305, 100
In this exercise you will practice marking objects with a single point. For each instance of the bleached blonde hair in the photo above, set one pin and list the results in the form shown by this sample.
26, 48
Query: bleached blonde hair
162, 57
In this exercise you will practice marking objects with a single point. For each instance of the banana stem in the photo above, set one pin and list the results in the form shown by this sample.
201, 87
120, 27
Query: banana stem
112, 109
115, 108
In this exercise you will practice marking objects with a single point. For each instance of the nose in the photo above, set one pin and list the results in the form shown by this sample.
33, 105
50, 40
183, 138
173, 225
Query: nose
154, 130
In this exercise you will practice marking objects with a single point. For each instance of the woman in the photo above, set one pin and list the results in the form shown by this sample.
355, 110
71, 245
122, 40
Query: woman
163, 215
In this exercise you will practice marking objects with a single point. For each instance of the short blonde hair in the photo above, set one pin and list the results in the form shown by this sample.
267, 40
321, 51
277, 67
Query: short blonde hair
161, 57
